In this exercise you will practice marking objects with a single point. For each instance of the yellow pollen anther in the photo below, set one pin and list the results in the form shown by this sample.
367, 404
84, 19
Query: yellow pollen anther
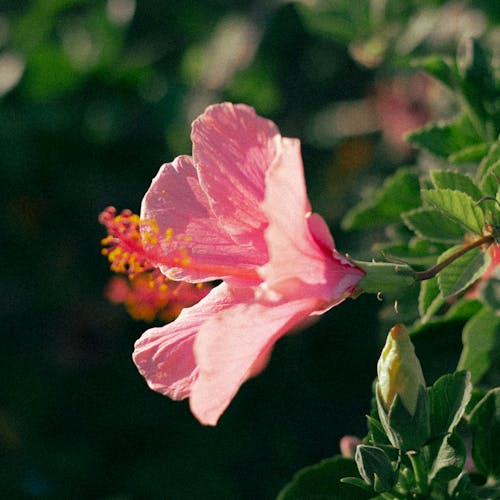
169, 233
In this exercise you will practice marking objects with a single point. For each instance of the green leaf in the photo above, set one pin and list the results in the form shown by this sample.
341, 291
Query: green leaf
462, 488
470, 154
474, 66
417, 251
481, 341
430, 299
323, 481
462, 272
405, 431
376, 431
489, 292
489, 171
356, 481
490, 182
448, 399
458, 206
450, 459
485, 428
438, 67
444, 140
448, 179
399, 193
463, 309
433, 225
491, 157
375, 467
477, 86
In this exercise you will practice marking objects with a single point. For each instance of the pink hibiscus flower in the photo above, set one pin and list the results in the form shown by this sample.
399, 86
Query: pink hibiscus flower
237, 211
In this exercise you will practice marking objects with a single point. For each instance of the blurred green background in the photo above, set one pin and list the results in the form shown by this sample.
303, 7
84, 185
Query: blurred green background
94, 96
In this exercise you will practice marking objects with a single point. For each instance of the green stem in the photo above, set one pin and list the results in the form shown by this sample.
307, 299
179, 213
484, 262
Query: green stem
432, 271
418, 469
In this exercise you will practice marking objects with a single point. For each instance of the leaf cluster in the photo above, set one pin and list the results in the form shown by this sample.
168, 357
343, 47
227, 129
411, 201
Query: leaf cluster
431, 213
424, 454
442, 218
417, 456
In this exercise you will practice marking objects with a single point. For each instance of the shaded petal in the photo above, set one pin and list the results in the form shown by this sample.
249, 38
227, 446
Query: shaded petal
320, 232
179, 224
234, 345
232, 149
300, 245
164, 356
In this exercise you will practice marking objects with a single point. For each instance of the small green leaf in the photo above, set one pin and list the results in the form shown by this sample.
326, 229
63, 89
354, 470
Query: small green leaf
375, 467
490, 182
463, 309
481, 340
416, 252
323, 481
376, 431
450, 459
448, 399
433, 225
470, 154
399, 193
430, 299
492, 156
489, 171
462, 272
356, 481
458, 206
444, 140
405, 431
485, 428
447, 179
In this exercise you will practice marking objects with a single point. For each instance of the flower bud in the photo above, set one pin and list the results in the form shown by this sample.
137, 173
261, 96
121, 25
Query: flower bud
348, 446
399, 370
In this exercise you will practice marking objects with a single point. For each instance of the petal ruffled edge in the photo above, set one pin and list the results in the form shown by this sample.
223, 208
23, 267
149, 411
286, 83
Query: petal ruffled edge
164, 356
233, 148
235, 345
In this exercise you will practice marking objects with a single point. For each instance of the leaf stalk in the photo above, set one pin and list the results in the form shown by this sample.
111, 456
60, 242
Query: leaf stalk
432, 271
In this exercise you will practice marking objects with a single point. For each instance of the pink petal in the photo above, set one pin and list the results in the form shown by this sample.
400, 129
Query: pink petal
293, 250
164, 356
300, 245
234, 345
232, 149
190, 243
